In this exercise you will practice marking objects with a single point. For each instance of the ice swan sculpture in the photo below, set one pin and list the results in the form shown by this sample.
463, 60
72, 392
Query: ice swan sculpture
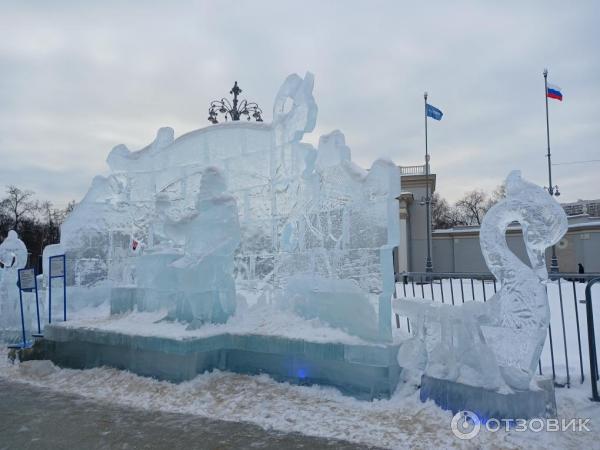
494, 345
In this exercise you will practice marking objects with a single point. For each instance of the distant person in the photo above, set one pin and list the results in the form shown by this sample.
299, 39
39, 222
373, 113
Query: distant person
580, 269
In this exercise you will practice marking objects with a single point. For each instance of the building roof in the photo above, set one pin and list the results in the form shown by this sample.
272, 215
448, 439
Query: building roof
579, 222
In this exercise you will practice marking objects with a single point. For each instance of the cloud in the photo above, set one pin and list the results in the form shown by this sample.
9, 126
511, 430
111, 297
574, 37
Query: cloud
78, 79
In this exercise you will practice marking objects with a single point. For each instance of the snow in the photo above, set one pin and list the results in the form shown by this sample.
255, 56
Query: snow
402, 422
260, 319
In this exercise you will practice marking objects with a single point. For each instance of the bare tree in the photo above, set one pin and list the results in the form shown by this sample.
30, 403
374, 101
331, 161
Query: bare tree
497, 194
48, 229
469, 210
443, 216
38, 223
45, 209
4, 222
18, 205
473, 206
69, 209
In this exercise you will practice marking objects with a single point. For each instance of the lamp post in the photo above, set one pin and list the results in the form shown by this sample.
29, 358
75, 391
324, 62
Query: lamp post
552, 189
428, 264
236, 110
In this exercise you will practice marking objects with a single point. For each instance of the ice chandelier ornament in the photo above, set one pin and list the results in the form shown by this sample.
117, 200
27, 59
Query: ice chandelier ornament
235, 112
494, 345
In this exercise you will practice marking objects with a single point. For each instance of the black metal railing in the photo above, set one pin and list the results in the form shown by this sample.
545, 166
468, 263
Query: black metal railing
592, 339
567, 292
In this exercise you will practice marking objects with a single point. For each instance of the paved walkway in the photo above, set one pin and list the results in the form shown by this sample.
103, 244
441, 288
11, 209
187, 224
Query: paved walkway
31, 418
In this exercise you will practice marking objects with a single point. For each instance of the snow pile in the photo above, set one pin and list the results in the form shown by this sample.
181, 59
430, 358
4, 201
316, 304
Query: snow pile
401, 422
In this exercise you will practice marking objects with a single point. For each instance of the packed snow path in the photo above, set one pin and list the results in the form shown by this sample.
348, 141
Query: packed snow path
31, 417
402, 422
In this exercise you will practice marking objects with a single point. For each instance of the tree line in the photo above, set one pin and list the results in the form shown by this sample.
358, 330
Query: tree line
36, 222
468, 210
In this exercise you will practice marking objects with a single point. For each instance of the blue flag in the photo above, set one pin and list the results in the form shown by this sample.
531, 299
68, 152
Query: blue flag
433, 112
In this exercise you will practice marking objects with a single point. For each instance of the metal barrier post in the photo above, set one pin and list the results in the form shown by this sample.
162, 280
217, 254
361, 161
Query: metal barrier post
26, 281
592, 339
64, 260
50, 295
22, 313
37, 307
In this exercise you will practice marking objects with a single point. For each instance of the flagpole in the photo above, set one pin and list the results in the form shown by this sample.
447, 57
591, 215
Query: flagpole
428, 264
554, 260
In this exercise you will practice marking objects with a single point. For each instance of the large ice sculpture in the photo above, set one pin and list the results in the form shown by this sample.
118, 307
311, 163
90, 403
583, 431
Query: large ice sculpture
13, 256
498, 343
313, 225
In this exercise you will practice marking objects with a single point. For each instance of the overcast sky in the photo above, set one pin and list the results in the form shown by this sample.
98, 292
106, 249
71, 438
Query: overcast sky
78, 79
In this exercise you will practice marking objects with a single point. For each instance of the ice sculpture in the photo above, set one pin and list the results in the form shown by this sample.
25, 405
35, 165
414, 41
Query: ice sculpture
13, 253
495, 344
204, 273
13, 256
312, 225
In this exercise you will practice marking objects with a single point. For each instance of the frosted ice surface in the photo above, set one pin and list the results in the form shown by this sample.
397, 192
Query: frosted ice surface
203, 273
497, 343
13, 253
319, 297
294, 110
332, 149
304, 214
13, 256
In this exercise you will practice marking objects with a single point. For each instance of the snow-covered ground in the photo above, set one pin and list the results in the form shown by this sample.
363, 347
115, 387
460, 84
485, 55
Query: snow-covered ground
401, 422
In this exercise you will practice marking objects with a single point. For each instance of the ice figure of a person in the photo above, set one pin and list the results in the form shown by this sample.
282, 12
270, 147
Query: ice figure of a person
15, 247
205, 271
13, 256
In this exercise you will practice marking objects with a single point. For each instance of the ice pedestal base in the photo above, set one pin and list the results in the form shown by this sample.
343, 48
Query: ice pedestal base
488, 404
363, 371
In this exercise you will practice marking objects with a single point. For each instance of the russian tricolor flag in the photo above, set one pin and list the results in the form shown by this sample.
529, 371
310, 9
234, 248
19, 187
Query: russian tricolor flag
554, 92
